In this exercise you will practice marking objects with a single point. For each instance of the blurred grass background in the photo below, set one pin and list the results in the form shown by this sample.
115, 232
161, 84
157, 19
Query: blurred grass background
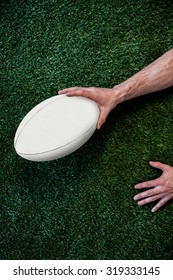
81, 206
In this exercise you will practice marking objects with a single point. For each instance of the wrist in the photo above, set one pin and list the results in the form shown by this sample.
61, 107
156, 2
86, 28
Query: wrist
122, 92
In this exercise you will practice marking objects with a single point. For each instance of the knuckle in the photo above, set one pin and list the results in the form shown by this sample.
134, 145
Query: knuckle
92, 88
164, 189
158, 164
161, 182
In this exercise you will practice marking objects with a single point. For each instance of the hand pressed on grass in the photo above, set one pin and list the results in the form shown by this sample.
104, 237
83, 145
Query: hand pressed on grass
159, 189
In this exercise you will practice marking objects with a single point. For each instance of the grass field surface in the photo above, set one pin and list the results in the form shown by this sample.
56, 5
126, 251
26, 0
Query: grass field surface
81, 206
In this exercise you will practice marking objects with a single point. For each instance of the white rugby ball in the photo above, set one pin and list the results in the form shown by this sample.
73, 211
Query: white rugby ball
56, 127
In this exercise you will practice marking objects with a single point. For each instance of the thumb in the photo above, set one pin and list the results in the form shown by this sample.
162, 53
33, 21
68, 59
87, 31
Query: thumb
159, 165
102, 118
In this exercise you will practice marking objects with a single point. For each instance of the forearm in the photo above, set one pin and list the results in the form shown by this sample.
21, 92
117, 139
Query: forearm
155, 77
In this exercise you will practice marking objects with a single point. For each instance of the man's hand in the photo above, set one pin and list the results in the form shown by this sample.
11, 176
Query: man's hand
159, 189
106, 98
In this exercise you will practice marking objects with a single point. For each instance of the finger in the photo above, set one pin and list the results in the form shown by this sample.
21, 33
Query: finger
149, 199
82, 92
101, 121
65, 90
103, 115
76, 91
73, 91
160, 204
153, 191
99, 124
159, 165
148, 184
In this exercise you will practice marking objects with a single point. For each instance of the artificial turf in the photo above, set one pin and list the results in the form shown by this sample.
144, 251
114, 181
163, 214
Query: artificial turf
81, 206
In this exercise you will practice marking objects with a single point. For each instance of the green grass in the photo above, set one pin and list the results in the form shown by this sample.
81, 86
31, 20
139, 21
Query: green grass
81, 206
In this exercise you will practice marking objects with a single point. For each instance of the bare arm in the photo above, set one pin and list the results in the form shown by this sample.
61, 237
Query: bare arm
156, 76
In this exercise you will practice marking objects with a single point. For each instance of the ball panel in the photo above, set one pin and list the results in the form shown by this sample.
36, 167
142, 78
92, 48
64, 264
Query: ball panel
31, 114
56, 127
62, 151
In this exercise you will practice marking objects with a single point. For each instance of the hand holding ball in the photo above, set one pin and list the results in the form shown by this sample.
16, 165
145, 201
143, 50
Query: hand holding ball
56, 127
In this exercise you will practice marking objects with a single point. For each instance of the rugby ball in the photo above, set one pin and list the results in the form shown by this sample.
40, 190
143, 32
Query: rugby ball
56, 127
